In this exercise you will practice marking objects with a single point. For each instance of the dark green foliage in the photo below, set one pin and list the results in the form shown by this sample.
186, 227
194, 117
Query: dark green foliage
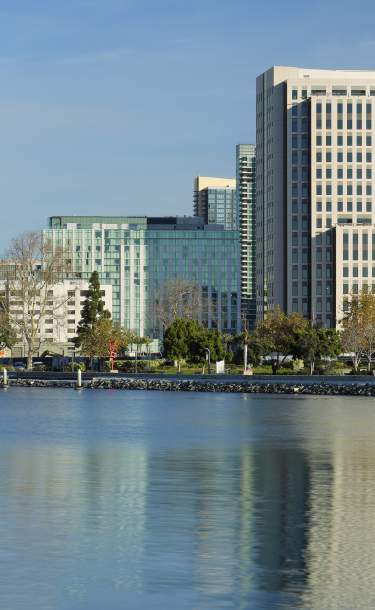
186, 340
93, 309
314, 342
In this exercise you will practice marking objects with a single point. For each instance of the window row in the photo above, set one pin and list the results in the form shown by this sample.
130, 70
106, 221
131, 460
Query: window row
356, 271
358, 140
359, 124
359, 190
359, 156
358, 173
347, 206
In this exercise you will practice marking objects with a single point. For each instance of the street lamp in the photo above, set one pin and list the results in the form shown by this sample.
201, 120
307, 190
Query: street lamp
208, 357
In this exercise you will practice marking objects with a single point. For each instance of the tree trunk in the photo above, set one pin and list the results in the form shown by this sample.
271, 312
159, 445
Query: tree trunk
312, 367
179, 366
29, 364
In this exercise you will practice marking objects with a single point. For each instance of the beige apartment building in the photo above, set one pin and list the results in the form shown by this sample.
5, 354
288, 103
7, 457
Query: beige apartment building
315, 184
200, 194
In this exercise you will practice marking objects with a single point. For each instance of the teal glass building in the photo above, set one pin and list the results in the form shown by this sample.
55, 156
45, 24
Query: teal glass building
138, 255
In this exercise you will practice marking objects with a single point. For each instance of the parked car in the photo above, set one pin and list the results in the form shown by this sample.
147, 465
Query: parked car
19, 366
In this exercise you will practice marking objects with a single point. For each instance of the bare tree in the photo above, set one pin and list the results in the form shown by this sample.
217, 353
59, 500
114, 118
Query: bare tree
28, 294
178, 299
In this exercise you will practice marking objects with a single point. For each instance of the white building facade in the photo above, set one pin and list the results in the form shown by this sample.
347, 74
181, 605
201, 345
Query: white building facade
64, 302
315, 185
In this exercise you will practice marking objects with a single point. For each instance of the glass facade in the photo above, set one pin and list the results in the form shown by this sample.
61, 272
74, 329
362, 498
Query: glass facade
137, 256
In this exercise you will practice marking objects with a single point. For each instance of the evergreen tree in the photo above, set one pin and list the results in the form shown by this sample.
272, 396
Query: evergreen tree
93, 309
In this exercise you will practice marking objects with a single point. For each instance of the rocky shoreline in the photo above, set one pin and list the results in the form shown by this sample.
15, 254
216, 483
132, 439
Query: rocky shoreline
320, 388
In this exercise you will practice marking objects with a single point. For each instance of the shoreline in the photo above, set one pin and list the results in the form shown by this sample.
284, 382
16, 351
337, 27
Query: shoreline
310, 387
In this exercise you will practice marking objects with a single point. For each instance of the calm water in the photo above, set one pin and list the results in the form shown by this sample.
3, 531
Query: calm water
136, 500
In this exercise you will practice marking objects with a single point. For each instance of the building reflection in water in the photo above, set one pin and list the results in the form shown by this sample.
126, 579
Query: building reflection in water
278, 515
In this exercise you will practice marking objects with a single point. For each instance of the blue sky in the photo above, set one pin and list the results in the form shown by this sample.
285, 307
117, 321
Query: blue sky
113, 106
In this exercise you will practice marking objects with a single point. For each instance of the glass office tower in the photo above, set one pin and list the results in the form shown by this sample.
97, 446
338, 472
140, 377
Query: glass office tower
137, 256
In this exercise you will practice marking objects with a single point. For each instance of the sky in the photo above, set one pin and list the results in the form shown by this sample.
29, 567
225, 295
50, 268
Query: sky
113, 106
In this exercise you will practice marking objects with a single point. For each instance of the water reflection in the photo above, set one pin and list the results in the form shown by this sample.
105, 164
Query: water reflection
268, 503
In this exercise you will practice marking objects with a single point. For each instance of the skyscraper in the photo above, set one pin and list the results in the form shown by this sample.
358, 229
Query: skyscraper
215, 201
246, 191
315, 209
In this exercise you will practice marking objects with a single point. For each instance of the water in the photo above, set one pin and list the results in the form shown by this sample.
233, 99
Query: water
141, 500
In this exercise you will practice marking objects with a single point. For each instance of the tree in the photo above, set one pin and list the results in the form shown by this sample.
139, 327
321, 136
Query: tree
313, 342
93, 308
26, 300
95, 340
255, 347
188, 340
358, 329
277, 334
177, 299
176, 341
8, 336
367, 309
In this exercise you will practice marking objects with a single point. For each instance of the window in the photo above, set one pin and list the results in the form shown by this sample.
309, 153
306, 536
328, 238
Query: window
318, 157
345, 271
368, 189
339, 141
359, 140
345, 245
368, 173
318, 140
318, 189
359, 157
355, 246
328, 157
340, 206
328, 173
349, 157
359, 173
319, 173
340, 157
328, 206
340, 189
349, 140
340, 172
328, 189
349, 206
328, 140
349, 173
368, 157
294, 124
294, 157
295, 110
294, 141
368, 206
294, 94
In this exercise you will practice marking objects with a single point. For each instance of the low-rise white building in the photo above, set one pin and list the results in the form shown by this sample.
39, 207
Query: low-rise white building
63, 309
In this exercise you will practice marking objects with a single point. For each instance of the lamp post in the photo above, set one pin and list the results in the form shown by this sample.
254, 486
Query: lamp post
207, 349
